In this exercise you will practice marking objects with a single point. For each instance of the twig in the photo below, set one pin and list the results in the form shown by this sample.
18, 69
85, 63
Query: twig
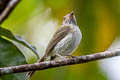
58, 63
10, 6
3, 4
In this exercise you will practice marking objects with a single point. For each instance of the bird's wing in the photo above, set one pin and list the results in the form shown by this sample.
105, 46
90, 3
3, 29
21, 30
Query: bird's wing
59, 35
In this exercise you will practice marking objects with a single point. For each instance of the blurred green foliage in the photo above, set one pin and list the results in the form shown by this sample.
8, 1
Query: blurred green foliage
98, 21
10, 55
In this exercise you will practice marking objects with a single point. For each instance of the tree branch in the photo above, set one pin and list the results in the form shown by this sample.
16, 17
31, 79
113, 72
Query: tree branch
6, 11
58, 63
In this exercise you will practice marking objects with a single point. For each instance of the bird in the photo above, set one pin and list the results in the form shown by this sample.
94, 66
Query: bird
64, 42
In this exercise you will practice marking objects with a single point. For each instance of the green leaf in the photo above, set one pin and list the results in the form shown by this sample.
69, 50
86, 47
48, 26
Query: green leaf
10, 55
7, 33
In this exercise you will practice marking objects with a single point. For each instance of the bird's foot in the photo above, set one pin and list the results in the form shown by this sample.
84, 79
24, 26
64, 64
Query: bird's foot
62, 57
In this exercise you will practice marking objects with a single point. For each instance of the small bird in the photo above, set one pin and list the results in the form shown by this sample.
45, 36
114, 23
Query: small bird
64, 42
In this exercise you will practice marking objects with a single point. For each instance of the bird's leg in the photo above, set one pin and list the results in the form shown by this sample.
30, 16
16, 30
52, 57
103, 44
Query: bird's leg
62, 57
57, 56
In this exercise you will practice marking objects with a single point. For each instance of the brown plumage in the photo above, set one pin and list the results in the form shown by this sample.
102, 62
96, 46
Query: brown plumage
64, 42
60, 34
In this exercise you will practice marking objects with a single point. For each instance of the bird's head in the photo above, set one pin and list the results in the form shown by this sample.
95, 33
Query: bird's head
69, 19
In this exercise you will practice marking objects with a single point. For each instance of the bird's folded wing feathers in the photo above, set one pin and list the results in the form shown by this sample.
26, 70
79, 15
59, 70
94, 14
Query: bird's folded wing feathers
59, 35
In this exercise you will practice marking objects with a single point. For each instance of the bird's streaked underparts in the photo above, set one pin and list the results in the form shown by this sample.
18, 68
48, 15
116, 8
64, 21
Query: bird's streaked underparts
64, 42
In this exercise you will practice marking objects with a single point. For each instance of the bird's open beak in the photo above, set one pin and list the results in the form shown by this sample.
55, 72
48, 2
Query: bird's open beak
72, 13
72, 18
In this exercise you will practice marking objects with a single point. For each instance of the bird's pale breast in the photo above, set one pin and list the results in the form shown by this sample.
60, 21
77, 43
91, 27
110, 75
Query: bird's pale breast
69, 43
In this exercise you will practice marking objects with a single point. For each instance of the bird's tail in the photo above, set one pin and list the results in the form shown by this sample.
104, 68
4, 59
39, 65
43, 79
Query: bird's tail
30, 73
